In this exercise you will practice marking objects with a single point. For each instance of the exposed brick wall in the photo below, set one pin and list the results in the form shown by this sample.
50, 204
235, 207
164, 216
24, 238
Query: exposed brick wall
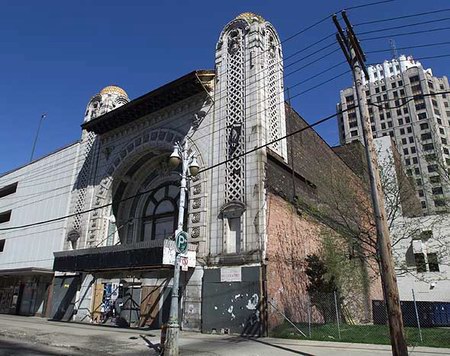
292, 236
354, 156
313, 160
315, 191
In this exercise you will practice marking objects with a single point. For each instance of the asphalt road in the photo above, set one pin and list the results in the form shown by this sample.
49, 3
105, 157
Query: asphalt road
37, 336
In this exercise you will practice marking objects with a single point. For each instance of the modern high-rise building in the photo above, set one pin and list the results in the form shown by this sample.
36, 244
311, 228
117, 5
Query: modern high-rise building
405, 103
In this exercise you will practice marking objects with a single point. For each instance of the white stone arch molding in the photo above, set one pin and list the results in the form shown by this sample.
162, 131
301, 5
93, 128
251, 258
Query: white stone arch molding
240, 24
275, 113
197, 213
161, 140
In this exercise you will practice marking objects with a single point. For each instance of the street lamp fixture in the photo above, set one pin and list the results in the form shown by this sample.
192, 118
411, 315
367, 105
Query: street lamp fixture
189, 168
175, 158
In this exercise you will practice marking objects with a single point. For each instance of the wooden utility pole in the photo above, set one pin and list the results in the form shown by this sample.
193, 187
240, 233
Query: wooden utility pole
356, 59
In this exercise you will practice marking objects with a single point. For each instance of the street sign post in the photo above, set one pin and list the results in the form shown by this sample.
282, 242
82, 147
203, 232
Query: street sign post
181, 242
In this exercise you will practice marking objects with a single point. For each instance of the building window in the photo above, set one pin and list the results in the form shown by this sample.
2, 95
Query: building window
420, 262
415, 161
439, 202
432, 168
419, 182
408, 129
437, 190
424, 205
428, 147
414, 79
421, 193
435, 179
8, 189
413, 150
5, 216
425, 136
354, 133
404, 140
234, 235
159, 220
2, 245
424, 126
422, 116
420, 106
433, 263
406, 151
411, 139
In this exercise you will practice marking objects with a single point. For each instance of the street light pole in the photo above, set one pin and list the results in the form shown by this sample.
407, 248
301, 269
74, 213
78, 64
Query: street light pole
43, 116
189, 167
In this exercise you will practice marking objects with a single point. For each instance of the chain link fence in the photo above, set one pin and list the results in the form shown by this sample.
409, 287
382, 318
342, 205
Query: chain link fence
330, 318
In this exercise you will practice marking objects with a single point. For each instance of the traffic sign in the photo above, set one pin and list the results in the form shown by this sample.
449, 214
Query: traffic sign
184, 263
181, 242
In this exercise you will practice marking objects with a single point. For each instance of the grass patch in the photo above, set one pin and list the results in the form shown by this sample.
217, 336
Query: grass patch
368, 334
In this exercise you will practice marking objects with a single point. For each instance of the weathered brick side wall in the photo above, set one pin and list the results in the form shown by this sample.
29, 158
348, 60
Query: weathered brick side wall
292, 237
315, 191
354, 156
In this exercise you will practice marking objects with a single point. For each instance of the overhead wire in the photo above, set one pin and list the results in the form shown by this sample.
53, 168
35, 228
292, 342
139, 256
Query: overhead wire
308, 126
435, 57
377, 21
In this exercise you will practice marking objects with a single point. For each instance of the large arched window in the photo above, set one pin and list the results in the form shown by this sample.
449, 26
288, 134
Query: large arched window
159, 219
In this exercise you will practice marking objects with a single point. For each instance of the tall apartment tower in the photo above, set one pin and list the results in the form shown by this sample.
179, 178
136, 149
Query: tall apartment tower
419, 125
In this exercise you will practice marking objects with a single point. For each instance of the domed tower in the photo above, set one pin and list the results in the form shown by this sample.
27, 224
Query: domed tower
249, 91
109, 98
249, 112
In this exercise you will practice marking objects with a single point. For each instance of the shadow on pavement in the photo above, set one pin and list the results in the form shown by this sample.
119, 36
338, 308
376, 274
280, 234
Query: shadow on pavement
14, 348
156, 347
280, 347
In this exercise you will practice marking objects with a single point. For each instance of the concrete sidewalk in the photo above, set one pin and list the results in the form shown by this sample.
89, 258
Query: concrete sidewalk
201, 344
37, 336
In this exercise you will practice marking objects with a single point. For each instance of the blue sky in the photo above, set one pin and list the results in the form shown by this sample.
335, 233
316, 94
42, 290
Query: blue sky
55, 55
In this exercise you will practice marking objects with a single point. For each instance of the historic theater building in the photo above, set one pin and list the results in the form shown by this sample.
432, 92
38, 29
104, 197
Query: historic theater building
251, 213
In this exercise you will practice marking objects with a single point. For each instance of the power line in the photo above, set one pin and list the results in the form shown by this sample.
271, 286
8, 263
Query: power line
410, 47
301, 82
309, 126
404, 26
406, 34
429, 57
366, 5
401, 17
